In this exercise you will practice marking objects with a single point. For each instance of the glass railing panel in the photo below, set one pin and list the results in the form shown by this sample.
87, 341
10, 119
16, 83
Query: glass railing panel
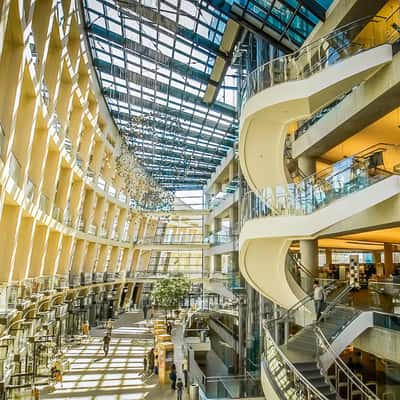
43, 202
122, 197
30, 190
348, 176
90, 175
318, 55
92, 229
15, 169
101, 183
44, 92
47, 283
61, 281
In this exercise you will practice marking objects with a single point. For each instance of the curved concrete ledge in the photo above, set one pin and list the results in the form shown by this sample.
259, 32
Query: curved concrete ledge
265, 116
264, 242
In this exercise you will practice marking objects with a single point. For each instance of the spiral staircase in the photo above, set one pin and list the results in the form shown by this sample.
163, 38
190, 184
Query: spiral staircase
276, 212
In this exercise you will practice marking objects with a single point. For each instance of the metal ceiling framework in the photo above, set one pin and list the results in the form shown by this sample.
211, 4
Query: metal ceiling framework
166, 63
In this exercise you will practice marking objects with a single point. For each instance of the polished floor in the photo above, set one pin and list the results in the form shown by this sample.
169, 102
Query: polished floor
119, 376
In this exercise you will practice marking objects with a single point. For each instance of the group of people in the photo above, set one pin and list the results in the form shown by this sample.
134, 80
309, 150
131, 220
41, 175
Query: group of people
177, 383
150, 367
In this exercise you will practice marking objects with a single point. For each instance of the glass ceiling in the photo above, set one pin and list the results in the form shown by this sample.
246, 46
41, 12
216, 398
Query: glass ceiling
154, 60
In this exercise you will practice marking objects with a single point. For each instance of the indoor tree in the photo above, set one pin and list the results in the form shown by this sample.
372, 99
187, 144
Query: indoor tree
167, 293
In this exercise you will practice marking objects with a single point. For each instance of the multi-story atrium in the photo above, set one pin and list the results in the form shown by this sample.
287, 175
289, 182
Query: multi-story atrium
200, 189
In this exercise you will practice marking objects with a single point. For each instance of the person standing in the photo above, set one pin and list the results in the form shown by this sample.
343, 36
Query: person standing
86, 328
145, 308
319, 297
172, 377
179, 389
156, 365
106, 344
150, 357
145, 364
185, 372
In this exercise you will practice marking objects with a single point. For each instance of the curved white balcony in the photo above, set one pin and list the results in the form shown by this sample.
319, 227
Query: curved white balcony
292, 88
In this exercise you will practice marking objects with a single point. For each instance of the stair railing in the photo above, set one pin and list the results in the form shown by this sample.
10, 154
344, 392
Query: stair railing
335, 302
285, 376
354, 385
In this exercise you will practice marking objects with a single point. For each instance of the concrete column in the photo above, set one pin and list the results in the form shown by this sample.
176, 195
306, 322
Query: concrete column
328, 257
388, 257
309, 248
309, 257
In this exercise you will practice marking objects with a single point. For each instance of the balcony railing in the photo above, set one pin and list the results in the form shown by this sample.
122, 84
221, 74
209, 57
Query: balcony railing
331, 49
74, 280
61, 282
98, 277
101, 183
57, 213
341, 179
43, 202
44, 92
81, 224
30, 190
112, 191
225, 387
92, 229
86, 278
15, 169
122, 197
172, 239
221, 237
90, 175
8, 297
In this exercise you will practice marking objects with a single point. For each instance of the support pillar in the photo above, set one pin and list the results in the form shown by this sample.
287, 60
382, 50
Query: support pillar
328, 257
388, 257
309, 257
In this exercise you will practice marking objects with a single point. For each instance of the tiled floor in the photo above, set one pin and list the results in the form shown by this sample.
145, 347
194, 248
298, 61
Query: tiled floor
117, 376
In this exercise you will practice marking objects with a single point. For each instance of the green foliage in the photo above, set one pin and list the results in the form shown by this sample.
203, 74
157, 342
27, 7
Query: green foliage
167, 293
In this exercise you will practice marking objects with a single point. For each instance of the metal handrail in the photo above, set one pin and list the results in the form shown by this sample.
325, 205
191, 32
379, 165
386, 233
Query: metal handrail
292, 368
335, 302
354, 379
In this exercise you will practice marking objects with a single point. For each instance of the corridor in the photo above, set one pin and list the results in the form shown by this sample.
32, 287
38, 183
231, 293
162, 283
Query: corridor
117, 376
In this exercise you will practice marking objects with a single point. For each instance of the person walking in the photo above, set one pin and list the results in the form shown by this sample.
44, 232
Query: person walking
179, 389
109, 327
106, 344
169, 327
172, 377
319, 297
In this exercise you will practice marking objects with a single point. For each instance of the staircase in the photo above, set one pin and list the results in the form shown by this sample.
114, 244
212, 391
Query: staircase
331, 325
312, 373
295, 369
